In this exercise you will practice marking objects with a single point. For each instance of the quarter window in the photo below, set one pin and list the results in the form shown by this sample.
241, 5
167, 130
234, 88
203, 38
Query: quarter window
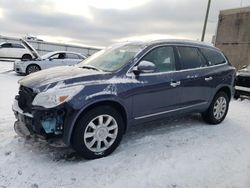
162, 57
213, 57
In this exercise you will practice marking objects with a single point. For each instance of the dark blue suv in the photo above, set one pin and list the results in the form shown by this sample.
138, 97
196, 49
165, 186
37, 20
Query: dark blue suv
90, 105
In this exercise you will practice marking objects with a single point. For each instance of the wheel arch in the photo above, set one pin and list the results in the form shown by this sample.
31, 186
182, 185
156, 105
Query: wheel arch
26, 54
225, 89
113, 103
32, 64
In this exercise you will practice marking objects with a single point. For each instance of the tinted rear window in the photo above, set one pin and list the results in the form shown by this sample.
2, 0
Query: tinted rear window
213, 57
191, 58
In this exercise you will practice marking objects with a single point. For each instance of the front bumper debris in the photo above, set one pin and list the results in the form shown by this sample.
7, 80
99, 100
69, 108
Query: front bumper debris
45, 123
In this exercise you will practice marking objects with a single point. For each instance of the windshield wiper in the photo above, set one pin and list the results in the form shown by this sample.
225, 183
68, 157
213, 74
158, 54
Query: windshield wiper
90, 67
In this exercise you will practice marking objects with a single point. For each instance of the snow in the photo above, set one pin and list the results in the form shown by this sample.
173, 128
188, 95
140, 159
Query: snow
6, 66
178, 152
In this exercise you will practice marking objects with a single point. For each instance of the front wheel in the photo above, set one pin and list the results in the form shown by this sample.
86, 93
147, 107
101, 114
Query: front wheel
98, 132
218, 109
32, 68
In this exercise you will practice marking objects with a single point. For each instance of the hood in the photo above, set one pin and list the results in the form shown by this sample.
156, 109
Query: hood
31, 49
67, 74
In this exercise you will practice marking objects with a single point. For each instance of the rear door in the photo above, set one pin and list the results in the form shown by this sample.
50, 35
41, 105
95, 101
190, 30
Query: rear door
72, 59
18, 50
5, 50
194, 77
217, 62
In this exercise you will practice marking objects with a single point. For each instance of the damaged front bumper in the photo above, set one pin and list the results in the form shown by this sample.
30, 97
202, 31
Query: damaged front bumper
46, 123
18, 68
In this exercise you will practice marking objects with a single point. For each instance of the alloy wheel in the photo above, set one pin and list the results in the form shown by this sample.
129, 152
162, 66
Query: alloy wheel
220, 108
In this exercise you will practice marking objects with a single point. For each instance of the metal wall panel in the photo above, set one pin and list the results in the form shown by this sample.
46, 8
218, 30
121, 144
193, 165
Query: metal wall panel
44, 47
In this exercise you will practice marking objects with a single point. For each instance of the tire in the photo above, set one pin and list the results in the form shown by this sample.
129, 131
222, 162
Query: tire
32, 68
26, 57
236, 96
86, 137
213, 116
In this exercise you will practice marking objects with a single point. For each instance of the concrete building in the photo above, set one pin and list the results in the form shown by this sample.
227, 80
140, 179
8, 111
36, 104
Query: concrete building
233, 35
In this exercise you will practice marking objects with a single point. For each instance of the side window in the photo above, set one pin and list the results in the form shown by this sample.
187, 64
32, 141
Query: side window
6, 45
58, 56
162, 57
61, 56
71, 56
191, 58
15, 45
213, 57
55, 56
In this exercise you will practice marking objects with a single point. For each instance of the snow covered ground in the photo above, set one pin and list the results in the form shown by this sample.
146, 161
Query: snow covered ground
179, 152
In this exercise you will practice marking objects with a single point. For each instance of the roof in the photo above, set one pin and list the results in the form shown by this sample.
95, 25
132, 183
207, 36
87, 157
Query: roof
235, 11
65, 52
181, 41
175, 41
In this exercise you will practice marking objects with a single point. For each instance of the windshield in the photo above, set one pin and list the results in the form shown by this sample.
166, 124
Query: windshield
112, 58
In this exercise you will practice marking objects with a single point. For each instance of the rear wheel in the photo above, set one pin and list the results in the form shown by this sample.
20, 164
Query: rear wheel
218, 109
32, 68
98, 132
236, 95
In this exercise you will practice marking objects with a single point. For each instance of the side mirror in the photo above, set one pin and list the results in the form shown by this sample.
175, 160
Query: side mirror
244, 66
144, 67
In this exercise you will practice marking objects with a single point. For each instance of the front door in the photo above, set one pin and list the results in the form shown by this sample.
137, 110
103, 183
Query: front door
158, 93
56, 60
72, 59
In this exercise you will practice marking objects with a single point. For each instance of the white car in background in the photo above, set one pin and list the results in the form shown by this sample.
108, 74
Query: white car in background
10, 50
51, 59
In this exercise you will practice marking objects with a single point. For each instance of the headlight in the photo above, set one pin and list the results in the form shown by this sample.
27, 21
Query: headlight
56, 96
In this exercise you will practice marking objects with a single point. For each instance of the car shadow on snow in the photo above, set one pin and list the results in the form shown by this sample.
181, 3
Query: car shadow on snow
137, 132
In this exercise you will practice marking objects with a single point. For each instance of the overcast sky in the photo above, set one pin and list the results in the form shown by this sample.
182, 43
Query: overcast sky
103, 22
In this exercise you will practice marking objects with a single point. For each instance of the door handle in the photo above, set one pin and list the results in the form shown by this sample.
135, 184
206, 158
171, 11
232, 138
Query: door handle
175, 83
209, 78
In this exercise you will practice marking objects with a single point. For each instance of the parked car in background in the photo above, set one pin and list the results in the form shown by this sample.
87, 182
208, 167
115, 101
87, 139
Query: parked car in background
10, 50
30, 37
90, 105
51, 59
242, 82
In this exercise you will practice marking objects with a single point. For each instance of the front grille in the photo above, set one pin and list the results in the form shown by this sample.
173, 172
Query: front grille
243, 81
26, 96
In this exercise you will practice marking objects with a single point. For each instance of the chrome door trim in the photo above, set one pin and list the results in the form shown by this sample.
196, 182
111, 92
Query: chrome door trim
165, 112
